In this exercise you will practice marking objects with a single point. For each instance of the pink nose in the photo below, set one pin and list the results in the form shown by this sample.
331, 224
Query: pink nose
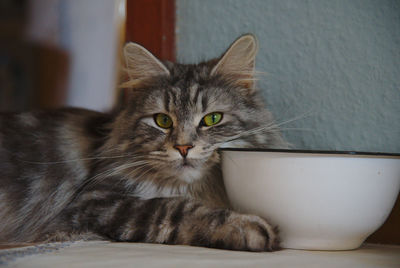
183, 149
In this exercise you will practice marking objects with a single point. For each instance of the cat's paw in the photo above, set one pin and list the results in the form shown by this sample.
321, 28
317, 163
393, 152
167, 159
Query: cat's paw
247, 232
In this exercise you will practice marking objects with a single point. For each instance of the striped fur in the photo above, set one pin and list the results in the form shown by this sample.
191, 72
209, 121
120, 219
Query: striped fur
79, 174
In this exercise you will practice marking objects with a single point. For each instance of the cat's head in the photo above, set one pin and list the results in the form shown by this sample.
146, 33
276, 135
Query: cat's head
177, 115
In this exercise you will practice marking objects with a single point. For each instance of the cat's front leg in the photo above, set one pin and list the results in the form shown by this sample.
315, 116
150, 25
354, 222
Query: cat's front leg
227, 229
172, 221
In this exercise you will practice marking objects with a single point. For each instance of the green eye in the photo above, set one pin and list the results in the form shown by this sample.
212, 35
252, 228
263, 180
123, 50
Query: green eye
211, 119
163, 120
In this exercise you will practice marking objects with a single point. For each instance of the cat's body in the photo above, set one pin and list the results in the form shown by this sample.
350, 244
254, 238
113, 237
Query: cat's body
147, 171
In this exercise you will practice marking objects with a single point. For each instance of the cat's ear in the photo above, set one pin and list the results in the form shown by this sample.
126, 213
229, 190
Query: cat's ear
141, 65
238, 62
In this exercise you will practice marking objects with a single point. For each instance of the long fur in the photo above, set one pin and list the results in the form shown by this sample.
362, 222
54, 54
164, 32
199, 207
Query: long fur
79, 174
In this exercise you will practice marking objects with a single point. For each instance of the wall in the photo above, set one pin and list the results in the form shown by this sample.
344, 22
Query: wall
89, 31
331, 65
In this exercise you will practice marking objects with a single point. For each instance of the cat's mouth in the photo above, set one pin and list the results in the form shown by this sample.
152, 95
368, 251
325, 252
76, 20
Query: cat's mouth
186, 163
188, 170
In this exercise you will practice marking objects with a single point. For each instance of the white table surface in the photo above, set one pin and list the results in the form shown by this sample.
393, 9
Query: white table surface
106, 254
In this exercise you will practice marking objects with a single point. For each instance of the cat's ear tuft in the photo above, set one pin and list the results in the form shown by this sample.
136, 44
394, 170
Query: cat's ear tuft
238, 62
141, 65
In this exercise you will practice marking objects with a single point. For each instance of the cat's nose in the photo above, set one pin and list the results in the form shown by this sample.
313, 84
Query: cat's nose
183, 149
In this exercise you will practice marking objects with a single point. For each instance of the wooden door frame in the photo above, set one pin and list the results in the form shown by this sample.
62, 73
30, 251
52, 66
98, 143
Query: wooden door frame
151, 23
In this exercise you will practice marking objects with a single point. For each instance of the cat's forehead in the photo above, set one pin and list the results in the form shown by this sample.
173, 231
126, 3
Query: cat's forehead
190, 73
189, 90
190, 99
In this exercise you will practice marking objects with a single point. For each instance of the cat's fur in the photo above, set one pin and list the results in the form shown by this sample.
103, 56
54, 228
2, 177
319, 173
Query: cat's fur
74, 173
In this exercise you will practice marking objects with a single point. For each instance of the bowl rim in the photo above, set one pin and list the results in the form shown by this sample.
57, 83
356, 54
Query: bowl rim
309, 151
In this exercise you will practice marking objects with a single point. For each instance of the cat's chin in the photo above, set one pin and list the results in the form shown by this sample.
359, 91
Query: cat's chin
190, 175
188, 171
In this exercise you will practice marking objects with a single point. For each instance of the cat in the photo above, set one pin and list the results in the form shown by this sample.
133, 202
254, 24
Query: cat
147, 171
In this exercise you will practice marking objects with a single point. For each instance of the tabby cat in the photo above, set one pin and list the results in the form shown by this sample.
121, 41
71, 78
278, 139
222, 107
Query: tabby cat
148, 171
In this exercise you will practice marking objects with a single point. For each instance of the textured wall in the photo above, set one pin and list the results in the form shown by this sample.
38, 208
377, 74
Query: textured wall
337, 61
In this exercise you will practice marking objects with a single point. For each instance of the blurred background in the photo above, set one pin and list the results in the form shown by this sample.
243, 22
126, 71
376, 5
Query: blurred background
56, 53
330, 69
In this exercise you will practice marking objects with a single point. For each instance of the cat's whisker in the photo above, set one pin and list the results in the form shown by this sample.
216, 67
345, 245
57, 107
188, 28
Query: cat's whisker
77, 159
144, 165
261, 73
128, 155
90, 182
296, 118
131, 180
269, 128
296, 129
132, 173
145, 172
116, 170
250, 132
158, 153
272, 127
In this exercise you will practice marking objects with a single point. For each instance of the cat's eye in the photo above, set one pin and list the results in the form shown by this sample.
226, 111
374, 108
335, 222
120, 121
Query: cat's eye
163, 120
211, 119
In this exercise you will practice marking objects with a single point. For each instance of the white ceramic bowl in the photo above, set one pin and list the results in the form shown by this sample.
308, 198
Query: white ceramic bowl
319, 200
